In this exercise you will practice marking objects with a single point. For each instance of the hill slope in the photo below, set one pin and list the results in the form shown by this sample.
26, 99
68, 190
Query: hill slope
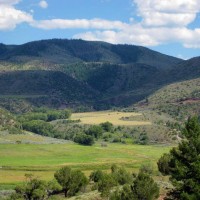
43, 88
96, 74
179, 100
71, 51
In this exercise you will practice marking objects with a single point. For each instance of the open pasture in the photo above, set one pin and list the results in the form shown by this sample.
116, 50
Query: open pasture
116, 118
43, 160
29, 138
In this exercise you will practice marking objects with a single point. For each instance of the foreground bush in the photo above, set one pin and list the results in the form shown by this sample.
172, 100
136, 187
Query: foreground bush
84, 139
143, 188
72, 181
35, 189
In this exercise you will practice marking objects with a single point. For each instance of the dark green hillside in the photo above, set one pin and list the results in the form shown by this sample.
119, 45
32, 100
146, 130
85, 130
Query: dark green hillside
44, 88
98, 74
186, 70
59, 51
122, 78
139, 54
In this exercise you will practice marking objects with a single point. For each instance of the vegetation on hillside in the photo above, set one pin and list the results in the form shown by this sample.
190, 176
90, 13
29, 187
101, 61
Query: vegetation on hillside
8, 122
113, 71
179, 100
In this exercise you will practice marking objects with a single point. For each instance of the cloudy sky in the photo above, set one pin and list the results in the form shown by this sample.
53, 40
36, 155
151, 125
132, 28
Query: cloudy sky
169, 26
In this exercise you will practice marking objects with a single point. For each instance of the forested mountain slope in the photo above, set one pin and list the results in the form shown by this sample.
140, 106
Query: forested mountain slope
98, 75
71, 51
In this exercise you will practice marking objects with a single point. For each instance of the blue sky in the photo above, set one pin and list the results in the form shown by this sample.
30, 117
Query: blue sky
168, 26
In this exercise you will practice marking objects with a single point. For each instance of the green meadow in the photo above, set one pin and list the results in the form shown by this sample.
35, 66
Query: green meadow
43, 160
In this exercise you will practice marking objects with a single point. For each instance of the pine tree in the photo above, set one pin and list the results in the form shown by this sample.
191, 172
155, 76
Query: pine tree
184, 163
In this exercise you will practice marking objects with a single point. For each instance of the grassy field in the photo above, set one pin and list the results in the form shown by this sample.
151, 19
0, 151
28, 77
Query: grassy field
116, 118
42, 160
28, 138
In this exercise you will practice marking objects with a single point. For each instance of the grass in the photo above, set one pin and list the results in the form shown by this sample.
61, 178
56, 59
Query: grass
44, 160
28, 138
114, 117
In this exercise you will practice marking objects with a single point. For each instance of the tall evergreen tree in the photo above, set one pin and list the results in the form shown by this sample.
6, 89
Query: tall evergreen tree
183, 164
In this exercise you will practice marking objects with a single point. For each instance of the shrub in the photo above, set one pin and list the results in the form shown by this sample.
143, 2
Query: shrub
163, 164
107, 126
84, 139
121, 176
32, 189
70, 180
143, 188
40, 127
147, 168
96, 176
95, 131
105, 184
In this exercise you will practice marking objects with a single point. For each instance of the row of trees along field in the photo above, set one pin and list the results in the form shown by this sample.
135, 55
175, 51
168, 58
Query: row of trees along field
182, 165
37, 121
70, 182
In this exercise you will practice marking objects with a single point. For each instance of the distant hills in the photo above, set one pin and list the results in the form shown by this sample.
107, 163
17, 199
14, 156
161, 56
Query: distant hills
62, 73
57, 51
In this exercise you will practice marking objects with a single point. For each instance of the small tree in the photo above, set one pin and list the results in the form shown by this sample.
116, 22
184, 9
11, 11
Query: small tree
84, 139
121, 176
144, 187
107, 126
125, 193
63, 178
77, 181
53, 187
70, 180
32, 189
95, 131
105, 184
96, 176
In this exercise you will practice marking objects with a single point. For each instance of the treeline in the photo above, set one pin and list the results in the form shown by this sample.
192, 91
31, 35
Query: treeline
94, 132
113, 185
45, 115
37, 121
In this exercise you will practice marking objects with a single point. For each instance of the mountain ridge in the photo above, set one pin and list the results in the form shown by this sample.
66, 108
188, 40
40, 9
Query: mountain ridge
86, 51
104, 74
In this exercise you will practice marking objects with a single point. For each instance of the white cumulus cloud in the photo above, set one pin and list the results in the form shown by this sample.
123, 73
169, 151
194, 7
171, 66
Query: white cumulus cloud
79, 23
162, 22
139, 35
10, 17
43, 4
167, 12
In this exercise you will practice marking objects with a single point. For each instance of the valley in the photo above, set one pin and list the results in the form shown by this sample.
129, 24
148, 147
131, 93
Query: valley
88, 106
